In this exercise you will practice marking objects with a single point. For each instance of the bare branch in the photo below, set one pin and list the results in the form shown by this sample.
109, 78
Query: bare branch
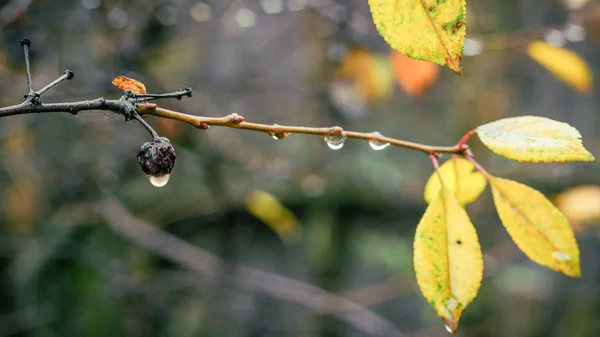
207, 264
238, 122
66, 76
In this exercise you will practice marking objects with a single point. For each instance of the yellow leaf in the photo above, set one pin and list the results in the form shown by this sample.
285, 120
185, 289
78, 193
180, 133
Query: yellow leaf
269, 210
562, 63
538, 228
429, 30
534, 139
580, 205
459, 178
125, 83
447, 258
415, 77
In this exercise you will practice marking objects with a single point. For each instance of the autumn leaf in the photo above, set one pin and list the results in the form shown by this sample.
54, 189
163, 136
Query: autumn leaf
125, 83
370, 73
534, 139
580, 205
562, 63
428, 30
538, 228
414, 76
447, 258
459, 178
265, 207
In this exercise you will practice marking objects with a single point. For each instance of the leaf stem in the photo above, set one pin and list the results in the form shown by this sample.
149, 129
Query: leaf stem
479, 167
463, 141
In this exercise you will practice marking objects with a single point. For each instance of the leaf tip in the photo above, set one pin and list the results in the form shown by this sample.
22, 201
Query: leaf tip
450, 324
455, 67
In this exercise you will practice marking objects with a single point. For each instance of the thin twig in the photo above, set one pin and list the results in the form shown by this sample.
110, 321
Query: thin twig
66, 76
146, 125
234, 120
179, 94
479, 167
207, 265
25, 43
237, 122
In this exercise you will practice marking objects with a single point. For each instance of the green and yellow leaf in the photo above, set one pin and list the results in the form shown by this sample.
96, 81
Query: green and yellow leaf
428, 30
447, 258
538, 228
265, 207
534, 139
562, 63
460, 178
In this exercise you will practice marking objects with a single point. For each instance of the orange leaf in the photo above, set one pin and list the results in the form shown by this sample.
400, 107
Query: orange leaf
415, 77
368, 72
125, 83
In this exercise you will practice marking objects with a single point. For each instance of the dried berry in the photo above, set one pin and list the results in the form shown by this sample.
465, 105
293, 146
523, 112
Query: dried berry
157, 157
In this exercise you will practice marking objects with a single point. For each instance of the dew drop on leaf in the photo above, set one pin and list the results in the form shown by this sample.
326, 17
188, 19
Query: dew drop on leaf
448, 328
335, 142
561, 256
159, 181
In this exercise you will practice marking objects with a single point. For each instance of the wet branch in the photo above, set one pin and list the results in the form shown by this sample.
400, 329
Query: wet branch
281, 131
136, 105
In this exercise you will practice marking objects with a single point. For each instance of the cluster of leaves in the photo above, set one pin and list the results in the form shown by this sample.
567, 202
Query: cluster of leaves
447, 254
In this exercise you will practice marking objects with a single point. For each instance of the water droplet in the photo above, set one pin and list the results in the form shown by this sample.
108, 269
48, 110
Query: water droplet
561, 256
449, 324
279, 135
159, 181
378, 145
335, 142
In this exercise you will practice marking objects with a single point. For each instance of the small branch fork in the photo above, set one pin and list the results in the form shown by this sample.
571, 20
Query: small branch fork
136, 106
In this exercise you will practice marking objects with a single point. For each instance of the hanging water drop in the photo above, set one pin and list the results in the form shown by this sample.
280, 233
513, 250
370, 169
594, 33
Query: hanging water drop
561, 256
335, 142
449, 329
159, 181
279, 135
376, 144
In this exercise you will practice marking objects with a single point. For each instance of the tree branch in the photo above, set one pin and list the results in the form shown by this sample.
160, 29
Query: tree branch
207, 264
129, 108
238, 122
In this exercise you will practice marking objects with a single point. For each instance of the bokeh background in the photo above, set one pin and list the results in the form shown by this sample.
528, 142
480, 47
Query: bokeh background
88, 247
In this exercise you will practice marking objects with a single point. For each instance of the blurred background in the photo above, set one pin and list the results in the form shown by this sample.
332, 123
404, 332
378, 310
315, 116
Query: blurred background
88, 247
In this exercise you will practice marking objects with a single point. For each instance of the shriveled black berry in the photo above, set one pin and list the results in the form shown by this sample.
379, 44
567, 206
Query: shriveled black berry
157, 157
